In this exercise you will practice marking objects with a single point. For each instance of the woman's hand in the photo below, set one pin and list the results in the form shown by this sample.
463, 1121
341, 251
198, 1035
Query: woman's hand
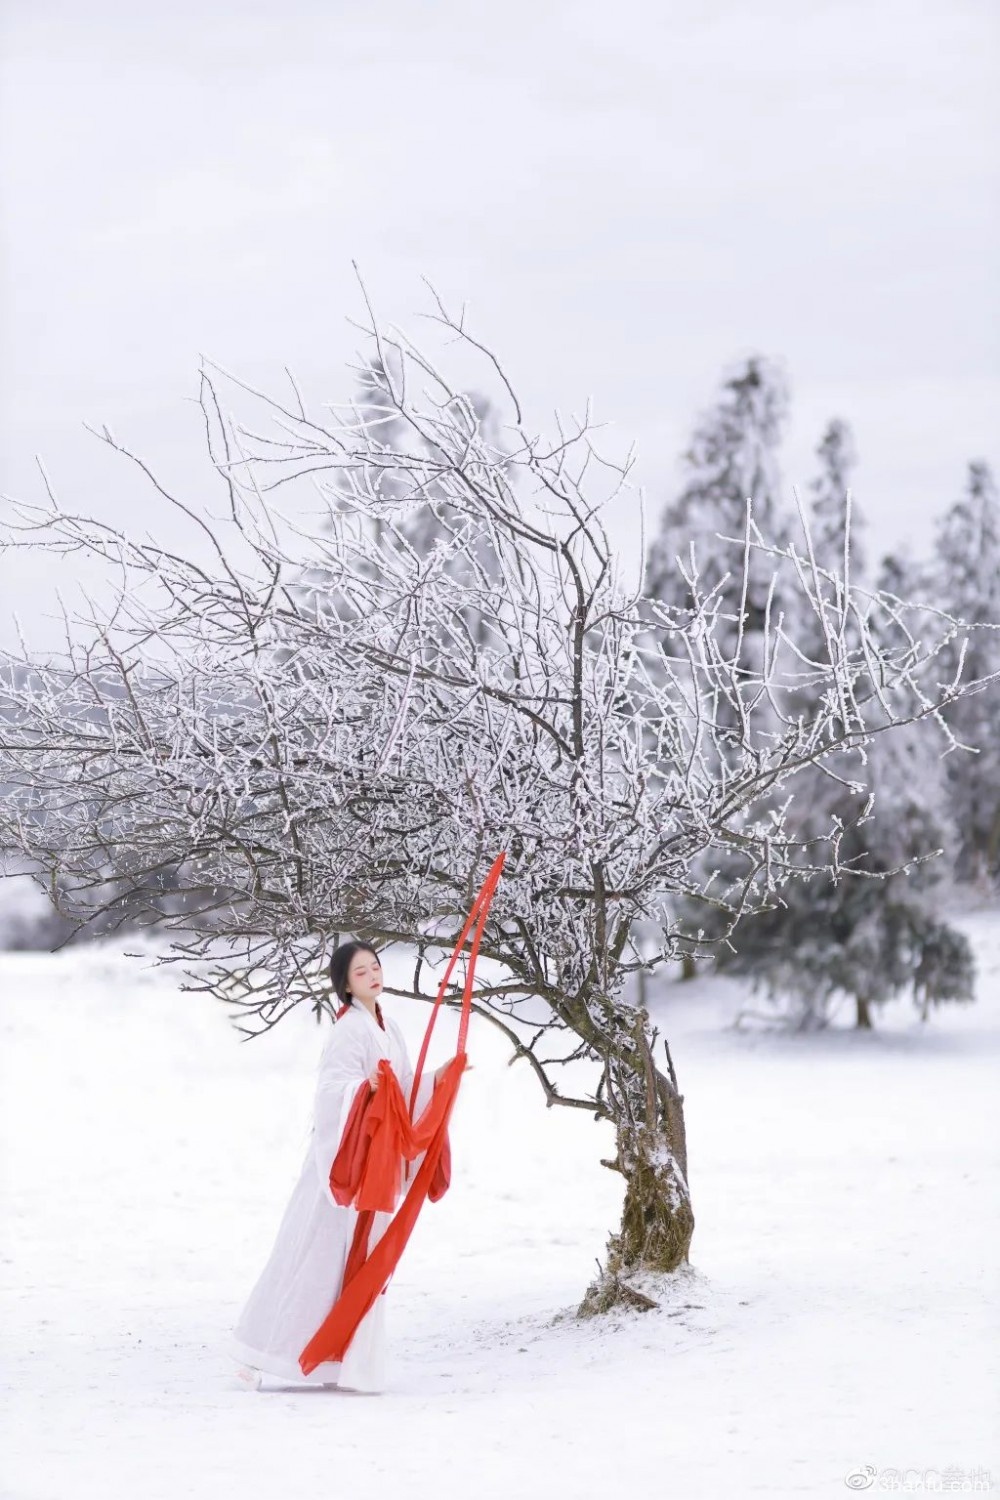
440, 1072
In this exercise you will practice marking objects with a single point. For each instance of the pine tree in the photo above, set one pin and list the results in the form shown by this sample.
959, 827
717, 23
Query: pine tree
439, 536
967, 576
874, 931
828, 492
837, 526
435, 528
733, 457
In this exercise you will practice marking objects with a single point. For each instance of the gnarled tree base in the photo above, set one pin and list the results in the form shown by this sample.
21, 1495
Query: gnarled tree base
657, 1226
609, 1291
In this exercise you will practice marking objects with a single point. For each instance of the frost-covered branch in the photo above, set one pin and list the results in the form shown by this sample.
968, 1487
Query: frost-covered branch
332, 725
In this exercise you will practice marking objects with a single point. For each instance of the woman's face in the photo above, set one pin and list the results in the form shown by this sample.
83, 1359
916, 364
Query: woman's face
364, 976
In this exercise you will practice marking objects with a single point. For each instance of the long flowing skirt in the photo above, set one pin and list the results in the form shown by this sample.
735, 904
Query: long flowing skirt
297, 1288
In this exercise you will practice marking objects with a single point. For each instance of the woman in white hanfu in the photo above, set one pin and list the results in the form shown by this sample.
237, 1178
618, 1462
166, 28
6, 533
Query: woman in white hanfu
303, 1276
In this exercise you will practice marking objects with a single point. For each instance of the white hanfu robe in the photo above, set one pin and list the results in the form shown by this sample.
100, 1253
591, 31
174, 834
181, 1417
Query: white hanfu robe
303, 1276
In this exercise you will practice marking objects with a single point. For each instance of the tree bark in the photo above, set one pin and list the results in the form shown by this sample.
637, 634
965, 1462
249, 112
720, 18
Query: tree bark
657, 1221
864, 1018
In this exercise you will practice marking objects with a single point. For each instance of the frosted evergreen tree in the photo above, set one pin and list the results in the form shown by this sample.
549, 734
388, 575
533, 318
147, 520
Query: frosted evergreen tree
870, 929
837, 526
829, 499
703, 550
967, 579
732, 458
898, 571
430, 520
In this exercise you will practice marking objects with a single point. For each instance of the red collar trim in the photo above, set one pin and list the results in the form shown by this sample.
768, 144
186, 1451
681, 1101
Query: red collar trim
347, 1006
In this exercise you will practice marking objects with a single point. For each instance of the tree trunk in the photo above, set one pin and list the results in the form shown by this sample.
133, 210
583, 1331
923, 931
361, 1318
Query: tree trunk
992, 851
657, 1218
864, 1018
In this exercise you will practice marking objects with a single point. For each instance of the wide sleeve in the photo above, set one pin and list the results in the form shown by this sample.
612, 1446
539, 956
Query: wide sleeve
343, 1071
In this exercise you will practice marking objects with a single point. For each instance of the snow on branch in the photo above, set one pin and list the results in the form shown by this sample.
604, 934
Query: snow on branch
334, 722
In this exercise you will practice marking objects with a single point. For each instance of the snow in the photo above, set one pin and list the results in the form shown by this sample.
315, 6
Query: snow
837, 1311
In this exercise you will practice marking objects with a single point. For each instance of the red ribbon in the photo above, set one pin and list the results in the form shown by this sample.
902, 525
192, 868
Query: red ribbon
370, 1171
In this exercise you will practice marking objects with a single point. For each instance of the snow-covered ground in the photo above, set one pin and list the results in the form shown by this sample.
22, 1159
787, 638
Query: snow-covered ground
840, 1308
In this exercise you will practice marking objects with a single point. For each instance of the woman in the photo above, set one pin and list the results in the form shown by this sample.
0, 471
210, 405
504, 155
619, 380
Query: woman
304, 1274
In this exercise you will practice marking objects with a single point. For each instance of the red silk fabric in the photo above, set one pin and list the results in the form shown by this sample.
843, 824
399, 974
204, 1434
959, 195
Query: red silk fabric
359, 1171
367, 1166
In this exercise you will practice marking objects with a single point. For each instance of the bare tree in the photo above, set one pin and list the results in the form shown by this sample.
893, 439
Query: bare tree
350, 753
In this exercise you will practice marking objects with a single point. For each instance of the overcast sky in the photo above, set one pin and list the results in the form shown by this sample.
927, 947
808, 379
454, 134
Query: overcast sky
628, 197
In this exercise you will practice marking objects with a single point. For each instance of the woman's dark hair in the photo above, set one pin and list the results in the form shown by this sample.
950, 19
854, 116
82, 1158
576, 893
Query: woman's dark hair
340, 962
